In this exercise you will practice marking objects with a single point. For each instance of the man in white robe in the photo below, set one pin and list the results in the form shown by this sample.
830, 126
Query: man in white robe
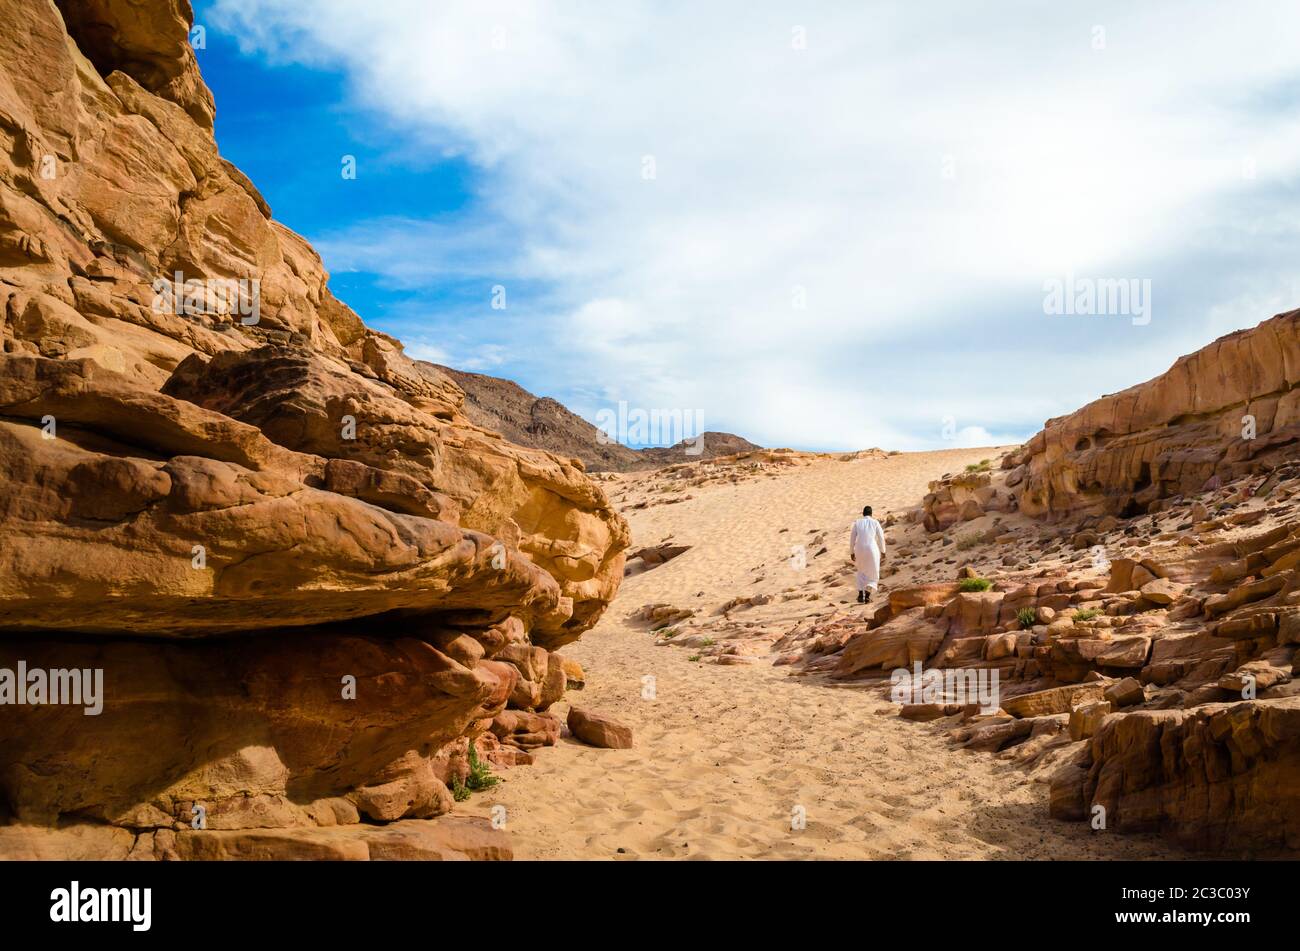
867, 548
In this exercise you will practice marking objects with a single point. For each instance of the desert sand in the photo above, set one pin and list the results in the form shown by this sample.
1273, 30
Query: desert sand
726, 757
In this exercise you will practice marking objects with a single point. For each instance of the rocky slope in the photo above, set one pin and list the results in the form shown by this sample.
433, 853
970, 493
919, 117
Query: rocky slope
1131, 574
543, 423
308, 580
711, 445
539, 422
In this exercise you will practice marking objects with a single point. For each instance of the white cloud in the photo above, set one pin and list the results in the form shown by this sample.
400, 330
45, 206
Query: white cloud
975, 437
488, 357
914, 175
420, 350
411, 254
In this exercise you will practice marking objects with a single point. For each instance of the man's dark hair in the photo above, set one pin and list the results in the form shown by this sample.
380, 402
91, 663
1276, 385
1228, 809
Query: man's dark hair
866, 510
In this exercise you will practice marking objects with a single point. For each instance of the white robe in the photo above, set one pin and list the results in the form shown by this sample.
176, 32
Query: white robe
867, 540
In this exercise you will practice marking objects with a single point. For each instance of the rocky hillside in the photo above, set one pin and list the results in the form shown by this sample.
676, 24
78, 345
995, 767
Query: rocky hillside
543, 423
1131, 574
304, 577
715, 446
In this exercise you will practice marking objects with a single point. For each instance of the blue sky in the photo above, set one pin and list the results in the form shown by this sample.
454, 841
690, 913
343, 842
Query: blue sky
289, 127
825, 225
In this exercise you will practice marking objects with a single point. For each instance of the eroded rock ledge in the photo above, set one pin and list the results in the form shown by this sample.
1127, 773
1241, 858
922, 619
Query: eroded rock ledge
1228, 410
309, 580
1146, 665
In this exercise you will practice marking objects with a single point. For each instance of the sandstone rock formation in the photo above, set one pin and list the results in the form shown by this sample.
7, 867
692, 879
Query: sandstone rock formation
1145, 663
1216, 777
310, 581
964, 498
1228, 410
596, 729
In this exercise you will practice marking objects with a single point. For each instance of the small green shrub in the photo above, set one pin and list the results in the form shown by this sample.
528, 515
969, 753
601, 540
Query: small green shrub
984, 465
708, 642
695, 657
669, 633
1087, 615
458, 790
1027, 618
974, 584
480, 773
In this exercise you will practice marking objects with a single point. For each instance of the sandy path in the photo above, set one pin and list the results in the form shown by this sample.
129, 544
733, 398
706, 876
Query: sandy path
727, 756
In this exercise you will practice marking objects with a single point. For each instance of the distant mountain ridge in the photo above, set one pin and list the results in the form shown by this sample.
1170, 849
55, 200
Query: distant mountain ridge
540, 422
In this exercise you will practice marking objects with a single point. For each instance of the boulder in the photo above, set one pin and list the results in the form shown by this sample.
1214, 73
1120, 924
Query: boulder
1257, 675
595, 729
526, 731
1054, 700
1087, 717
1162, 591
1124, 693
998, 646
254, 729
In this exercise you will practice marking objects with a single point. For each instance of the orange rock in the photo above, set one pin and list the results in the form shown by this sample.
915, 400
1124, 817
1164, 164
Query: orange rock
527, 731
1124, 693
598, 730
897, 643
1052, 701
1162, 591
292, 552
1087, 717
1173, 434
1222, 777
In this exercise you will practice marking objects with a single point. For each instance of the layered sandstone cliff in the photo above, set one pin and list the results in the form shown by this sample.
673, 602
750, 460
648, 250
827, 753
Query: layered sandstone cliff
308, 579
1145, 668
1140, 602
1228, 410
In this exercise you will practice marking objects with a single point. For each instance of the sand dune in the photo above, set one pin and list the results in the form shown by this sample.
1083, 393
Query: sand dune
726, 756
